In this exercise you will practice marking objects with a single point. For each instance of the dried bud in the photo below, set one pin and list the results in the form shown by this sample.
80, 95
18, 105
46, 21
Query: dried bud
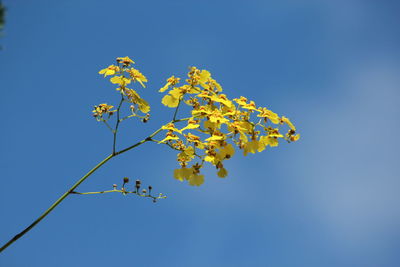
146, 119
138, 183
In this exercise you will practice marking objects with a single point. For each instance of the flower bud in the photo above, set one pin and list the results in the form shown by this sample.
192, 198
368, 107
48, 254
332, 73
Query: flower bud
138, 183
126, 180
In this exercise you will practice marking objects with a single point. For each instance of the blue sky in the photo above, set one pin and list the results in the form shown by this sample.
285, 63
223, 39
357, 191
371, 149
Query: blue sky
330, 199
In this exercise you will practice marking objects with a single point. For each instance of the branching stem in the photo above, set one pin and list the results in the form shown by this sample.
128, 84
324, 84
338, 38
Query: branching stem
81, 180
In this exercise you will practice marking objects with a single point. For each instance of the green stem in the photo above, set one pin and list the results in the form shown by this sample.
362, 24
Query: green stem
99, 192
81, 180
177, 107
55, 204
117, 124
108, 126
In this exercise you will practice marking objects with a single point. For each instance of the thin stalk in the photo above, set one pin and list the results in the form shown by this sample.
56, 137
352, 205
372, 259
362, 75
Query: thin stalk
117, 124
177, 107
108, 126
81, 180
55, 204
99, 192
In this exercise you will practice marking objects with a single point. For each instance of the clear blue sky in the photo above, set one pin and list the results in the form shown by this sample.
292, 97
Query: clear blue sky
332, 199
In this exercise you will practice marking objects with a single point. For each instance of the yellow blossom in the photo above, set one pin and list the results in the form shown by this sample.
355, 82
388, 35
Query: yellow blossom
110, 70
171, 127
269, 140
183, 173
121, 80
222, 173
143, 105
171, 81
217, 117
191, 138
221, 98
170, 101
186, 155
294, 138
252, 147
102, 109
196, 179
136, 75
266, 113
125, 61
288, 122
192, 124
168, 138
227, 151
250, 106
241, 101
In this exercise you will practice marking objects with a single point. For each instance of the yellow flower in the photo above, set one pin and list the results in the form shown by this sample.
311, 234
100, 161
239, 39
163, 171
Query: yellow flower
250, 106
168, 138
102, 109
222, 173
170, 101
183, 173
217, 117
227, 151
265, 113
294, 138
251, 147
125, 61
196, 179
202, 111
110, 70
189, 174
143, 105
269, 140
222, 99
171, 81
192, 124
186, 155
288, 122
171, 127
136, 75
216, 136
241, 101
213, 85
121, 80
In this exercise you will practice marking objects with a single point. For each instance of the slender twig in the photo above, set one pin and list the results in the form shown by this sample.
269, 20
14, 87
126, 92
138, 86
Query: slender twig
99, 192
124, 192
177, 107
56, 203
108, 125
117, 124
82, 179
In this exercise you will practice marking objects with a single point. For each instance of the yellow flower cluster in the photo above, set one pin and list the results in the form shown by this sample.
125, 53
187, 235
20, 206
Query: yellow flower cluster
216, 125
124, 74
102, 109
